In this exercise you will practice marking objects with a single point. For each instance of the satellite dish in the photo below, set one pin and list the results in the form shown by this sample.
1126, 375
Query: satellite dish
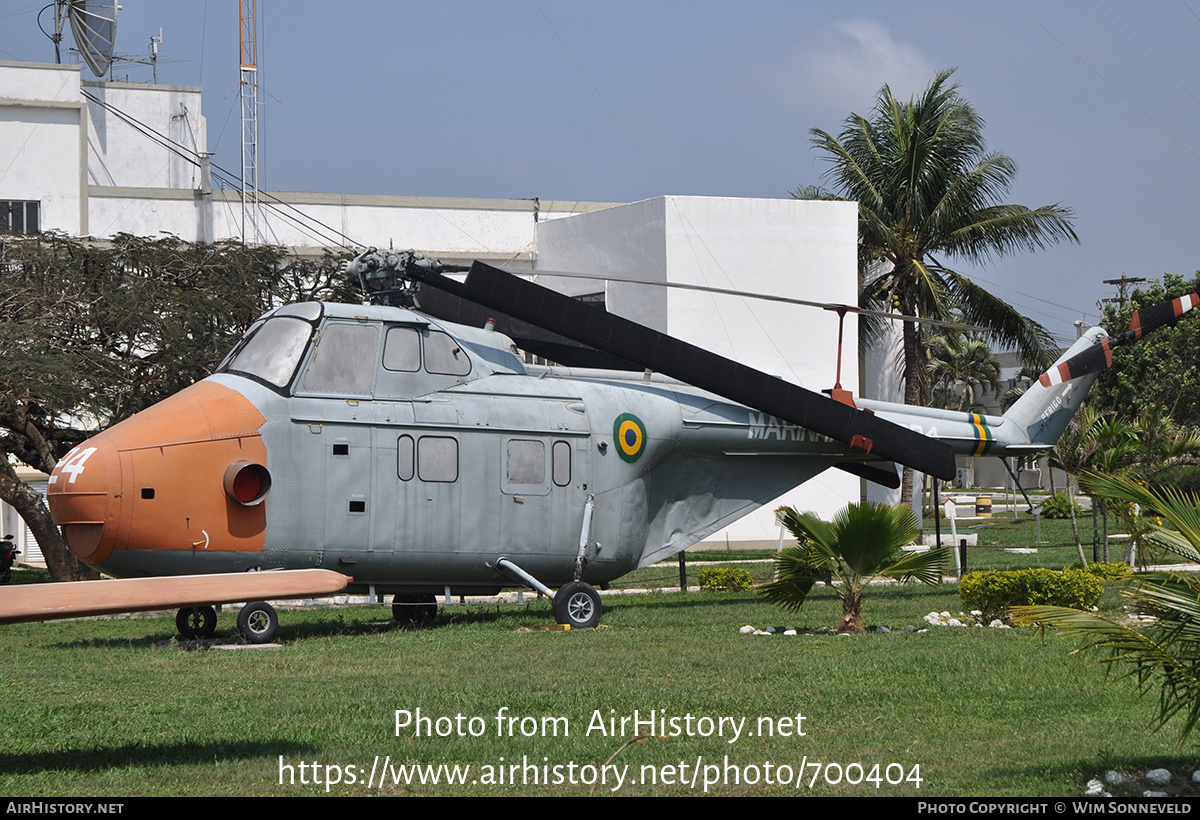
94, 26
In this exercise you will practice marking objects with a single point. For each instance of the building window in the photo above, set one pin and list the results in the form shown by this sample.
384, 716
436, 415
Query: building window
20, 217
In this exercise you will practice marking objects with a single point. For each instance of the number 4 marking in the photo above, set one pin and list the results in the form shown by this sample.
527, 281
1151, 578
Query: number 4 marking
73, 466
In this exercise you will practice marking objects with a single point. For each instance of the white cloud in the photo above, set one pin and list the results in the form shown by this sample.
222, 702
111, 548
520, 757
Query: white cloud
843, 65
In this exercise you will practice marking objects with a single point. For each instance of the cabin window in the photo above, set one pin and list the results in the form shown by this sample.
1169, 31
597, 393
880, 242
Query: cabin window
272, 353
437, 458
561, 457
444, 356
404, 458
402, 349
343, 362
525, 462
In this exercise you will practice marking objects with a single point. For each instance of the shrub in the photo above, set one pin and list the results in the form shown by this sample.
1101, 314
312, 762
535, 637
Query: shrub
1059, 506
994, 591
726, 579
1106, 572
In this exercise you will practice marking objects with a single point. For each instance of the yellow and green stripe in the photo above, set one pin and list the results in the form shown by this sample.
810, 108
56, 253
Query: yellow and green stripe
983, 435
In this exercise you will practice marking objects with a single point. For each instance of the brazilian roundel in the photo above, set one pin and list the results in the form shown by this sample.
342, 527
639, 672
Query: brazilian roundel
630, 434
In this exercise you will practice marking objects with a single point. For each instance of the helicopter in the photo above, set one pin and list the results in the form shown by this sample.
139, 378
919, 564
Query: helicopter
418, 457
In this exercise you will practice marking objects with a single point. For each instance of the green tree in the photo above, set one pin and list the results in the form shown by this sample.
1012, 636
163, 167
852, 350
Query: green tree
928, 193
863, 542
1094, 440
1166, 653
94, 332
961, 369
1161, 369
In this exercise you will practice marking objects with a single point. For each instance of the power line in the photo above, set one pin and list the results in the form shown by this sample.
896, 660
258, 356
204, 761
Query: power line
1106, 81
187, 154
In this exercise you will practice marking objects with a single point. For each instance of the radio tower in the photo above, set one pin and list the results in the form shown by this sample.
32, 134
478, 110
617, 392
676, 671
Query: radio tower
249, 59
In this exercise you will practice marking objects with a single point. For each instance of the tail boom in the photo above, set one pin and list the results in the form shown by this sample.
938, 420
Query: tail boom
1032, 425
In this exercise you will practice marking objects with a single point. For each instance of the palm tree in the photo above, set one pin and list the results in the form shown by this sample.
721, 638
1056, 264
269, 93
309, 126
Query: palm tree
863, 542
1167, 652
957, 365
1163, 443
929, 191
1094, 440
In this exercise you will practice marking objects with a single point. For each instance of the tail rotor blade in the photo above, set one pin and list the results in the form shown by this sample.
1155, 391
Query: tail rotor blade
1164, 313
1093, 360
1098, 357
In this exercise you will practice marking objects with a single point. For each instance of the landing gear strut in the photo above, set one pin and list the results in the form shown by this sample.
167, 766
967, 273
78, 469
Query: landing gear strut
576, 604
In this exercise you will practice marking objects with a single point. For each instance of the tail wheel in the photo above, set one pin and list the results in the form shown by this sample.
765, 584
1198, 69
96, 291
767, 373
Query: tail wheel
414, 609
258, 622
196, 622
578, 605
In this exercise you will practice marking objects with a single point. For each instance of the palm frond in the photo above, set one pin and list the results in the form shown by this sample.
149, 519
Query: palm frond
1008, 327
1173, 666
926, 567
1178, 509
869, 536
797, 569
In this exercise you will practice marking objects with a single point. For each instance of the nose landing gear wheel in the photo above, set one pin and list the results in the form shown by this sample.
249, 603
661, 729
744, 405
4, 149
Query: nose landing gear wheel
258, 622
196, 622
414, 609
577, 604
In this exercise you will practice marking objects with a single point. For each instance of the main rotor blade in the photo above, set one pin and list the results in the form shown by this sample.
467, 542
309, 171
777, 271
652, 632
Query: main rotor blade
885, 476
656, 351
451, 306
1099, 356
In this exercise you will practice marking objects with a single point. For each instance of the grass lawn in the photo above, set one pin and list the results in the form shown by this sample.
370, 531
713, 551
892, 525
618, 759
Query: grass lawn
118, 707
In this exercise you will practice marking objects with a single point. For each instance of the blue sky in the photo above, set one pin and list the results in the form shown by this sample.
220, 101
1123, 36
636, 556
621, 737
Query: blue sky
1098, 103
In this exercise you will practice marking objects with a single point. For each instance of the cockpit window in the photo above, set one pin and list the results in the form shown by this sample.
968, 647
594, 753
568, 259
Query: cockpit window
272, 352
343, 362
443, 355
402, 349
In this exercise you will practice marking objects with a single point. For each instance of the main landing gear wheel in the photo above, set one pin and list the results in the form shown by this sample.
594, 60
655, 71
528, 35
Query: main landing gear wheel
577, 604
196, 622
258, 622
414, 609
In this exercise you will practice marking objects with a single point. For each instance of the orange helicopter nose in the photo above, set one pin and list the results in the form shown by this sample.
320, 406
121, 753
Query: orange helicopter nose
188, 474
85, 498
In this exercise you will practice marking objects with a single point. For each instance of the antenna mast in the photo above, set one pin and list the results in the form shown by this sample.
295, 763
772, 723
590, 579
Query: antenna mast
249, 62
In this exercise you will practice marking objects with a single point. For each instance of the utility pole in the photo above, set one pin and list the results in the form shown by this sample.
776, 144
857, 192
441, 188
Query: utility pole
1123, 289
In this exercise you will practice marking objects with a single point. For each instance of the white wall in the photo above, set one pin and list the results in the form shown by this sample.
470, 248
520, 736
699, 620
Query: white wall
120, 156
805, 249
42, 153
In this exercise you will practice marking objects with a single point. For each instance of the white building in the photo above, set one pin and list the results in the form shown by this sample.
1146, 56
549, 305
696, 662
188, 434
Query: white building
93, 158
